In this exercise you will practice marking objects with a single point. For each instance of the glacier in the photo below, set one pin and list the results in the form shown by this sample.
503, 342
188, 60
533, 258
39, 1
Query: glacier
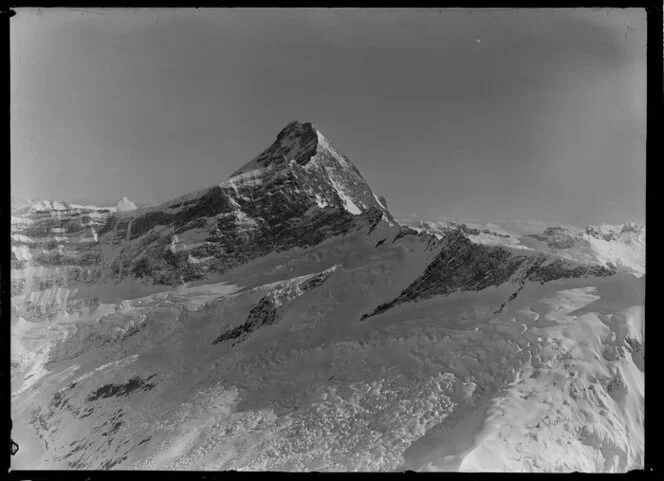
284, 320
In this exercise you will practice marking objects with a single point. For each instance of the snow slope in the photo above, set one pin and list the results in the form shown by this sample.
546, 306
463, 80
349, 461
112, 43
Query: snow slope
441, 384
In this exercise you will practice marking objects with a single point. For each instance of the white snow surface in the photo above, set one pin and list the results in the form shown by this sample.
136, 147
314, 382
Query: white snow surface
22, 253
549, 384
325, 145
349, 205
320, 201
628, 252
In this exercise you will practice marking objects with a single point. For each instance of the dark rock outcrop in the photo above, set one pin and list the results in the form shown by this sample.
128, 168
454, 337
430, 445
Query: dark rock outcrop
269, 309
115, 390
462, 265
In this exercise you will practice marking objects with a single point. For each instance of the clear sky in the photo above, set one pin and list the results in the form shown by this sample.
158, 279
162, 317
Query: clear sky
483, 114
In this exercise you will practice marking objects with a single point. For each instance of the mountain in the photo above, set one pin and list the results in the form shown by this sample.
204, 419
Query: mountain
622, 246
273, 203
284, 320
125, 205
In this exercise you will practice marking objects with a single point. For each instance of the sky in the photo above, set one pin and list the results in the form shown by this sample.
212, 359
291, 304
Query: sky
480, 114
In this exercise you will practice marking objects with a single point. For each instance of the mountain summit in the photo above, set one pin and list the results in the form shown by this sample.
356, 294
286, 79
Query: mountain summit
299, 192
297, 141
125, 205
323, 171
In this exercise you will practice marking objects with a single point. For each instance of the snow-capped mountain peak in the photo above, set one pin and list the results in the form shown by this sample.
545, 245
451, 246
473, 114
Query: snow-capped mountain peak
125, 205
322, 171
296, 141
297, 193
300, 142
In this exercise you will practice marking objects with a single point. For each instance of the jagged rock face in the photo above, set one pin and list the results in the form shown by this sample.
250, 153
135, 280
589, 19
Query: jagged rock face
621, 246
54, 245
270, 308
297, 141
297, 193
325, 173
462, 265
226, 241
613, 232
274, 204
560, 237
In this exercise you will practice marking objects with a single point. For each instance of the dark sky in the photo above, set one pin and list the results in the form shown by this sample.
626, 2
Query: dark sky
484, 114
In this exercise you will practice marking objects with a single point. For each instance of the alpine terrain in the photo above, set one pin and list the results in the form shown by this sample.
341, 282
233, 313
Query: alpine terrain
285, 320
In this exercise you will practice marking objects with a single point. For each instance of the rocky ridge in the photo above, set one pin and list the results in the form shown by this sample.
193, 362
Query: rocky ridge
297, 193
265, 367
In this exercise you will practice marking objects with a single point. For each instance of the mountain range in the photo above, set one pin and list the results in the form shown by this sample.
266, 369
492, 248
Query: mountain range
283, 319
